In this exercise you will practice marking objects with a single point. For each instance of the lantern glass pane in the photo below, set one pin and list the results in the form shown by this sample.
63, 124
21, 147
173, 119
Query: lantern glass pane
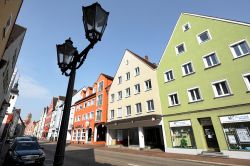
60, 57
90, 18
101, 18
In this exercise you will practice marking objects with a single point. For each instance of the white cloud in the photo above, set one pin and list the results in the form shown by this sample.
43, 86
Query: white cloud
30, 88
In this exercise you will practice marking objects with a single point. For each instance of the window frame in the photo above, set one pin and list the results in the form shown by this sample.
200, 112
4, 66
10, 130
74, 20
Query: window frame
165, 77
209, 37
190, 96
145, 85
183, 71
119, 80
112, 114
119, 96
176, 48
247, 83
126, 94
138, 113
237, 43
169, 99
149, 104
216, 95
112, 98
128, 106
137, 73
183, 27
208, 55
99, 86
119, 111
127, 76
135, 91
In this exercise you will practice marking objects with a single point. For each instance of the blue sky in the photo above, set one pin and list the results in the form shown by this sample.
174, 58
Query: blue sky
142, 26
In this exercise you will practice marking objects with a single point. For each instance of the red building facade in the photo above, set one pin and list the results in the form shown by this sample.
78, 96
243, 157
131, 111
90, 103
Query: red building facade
91, 113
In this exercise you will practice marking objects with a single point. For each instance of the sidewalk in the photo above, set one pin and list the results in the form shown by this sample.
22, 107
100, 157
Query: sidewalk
184, 157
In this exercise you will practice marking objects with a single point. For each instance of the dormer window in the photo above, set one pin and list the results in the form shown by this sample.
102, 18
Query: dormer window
186, 27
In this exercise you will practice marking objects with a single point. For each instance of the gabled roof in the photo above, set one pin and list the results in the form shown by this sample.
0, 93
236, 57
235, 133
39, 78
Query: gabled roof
107, 76
152, 65
218, 19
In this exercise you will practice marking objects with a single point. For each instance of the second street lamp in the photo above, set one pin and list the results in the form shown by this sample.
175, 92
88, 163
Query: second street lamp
95, 21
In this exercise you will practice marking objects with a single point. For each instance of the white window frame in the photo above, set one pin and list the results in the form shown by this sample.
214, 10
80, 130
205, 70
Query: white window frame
198, 37
190, 97
119, 80
183, 71
127, 74
137, 113
119, 96
126, 92
176, 48
112, 114
235, 43
145, 85
246, 81
112, 98
136, 90
99, 86
165, 77
169, 99
119, 112
215, 90
207, 55
149, 105
183, 27
137, 73
127, 110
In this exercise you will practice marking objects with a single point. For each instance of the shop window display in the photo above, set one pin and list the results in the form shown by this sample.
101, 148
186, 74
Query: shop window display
182, 134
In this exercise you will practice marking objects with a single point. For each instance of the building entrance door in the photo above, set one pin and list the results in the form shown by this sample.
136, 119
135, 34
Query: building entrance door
209, 133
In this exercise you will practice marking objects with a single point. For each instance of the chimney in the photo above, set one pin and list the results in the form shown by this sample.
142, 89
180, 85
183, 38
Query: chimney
146, 57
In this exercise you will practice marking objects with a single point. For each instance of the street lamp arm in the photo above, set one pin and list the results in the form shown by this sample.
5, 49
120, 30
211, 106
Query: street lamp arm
83, 55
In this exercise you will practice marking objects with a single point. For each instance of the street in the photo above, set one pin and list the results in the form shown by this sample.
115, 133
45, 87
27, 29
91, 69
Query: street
78, 156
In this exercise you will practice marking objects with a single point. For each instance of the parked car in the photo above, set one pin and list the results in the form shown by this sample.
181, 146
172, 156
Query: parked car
25, 153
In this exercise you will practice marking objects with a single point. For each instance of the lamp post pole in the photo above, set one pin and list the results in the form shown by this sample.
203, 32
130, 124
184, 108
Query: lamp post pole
61, 142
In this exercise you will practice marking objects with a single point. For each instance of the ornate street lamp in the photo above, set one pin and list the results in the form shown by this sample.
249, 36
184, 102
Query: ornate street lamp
95, 21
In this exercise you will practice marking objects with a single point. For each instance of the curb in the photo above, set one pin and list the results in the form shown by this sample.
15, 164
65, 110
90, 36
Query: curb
209, 162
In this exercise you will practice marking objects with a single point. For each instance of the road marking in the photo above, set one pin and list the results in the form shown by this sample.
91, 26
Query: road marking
132, 164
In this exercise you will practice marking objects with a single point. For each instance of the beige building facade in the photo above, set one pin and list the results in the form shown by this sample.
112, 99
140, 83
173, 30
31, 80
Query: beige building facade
134, 110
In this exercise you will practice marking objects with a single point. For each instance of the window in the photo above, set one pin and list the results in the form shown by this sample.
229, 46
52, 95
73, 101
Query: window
194, 95
92, 101
7, 26
210, 60
150, 104
137, 88
100, 86
138, 108
186, 27
128, 108
137, 71
203, 37
98, 115
112, 98
127, 92
119, 112
187, 68
88, 103
180, 49
93, 90
148, 85
83, 117
221, 88
240, 49
169, 76
87, 116
120, 80
119, 95
91, 115
128, 76
173, 99
112, 114
74, 135
246, 78
83, 134
99, 100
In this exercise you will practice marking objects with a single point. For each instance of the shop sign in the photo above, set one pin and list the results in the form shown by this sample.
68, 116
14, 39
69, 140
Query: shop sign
180, 123
243, 135
235, 118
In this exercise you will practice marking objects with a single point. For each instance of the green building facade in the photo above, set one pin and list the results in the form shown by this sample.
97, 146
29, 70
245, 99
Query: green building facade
204, 84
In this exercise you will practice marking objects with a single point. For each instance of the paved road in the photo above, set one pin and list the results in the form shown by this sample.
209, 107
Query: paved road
79, 156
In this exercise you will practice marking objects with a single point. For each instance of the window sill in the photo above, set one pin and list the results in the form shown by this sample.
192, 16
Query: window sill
137, 93
128, 115
223, 96
179, 53
150, 111
127, 96
241, 56
205, 41
119, 117
138, 113
209, 67
169, 81
188, 74
148, 89
174, 105
191, 102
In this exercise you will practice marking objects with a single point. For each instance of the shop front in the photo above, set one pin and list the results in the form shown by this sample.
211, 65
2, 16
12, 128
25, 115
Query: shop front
237, 131
182, 134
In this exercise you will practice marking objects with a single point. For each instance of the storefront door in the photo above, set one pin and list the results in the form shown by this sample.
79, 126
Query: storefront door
211, 139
